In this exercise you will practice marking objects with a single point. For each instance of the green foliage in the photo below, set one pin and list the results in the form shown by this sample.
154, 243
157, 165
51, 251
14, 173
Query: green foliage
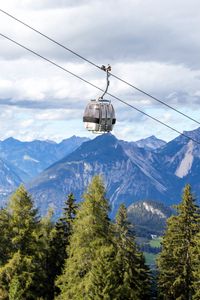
156, 242
63, 230
15, 292
196, 267
90, 243
150, 259
176, 262
16, 277
90, 257
23, 221
103, 262
59, 242
134, 279
44, 234
22, 274
103, 279
5, 236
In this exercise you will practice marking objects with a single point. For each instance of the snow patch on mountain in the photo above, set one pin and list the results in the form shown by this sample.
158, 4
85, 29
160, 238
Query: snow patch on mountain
186, 163
87, 167
27, 157
153, 210
9, 180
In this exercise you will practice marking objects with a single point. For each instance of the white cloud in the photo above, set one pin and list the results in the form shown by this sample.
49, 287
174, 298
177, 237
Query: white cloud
152, 45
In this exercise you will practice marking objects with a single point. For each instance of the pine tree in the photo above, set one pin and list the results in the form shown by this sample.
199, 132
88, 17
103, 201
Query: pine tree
176, 261
88, 272
134, 279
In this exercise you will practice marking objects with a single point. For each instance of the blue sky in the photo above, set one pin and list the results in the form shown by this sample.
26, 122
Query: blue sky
153, 44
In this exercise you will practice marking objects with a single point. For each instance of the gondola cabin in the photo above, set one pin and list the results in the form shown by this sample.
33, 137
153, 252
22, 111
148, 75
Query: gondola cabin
99, 116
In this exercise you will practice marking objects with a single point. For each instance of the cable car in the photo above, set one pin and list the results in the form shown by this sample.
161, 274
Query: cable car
99, 115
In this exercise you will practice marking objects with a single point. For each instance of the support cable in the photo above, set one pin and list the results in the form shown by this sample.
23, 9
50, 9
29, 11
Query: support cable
93, 85
100, 68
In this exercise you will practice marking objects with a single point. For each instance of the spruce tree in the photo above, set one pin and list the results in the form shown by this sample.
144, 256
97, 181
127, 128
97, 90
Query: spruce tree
5, 236
23, 221
103, 279
89, 272
63, 230
44, 234
17, 278
176, 261
17, 275
59, 242
196, 267
134, 279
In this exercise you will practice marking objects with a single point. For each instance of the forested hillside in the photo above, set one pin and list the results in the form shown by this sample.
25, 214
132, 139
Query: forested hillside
85, 255
149, 217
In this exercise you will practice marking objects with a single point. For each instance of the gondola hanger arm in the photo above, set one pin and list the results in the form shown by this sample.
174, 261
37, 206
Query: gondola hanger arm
107, 70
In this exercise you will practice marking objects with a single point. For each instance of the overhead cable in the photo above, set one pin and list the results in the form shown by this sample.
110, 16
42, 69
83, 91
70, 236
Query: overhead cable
95, 65
96, 87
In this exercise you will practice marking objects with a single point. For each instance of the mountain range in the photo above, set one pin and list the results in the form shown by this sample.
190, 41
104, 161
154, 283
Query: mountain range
132, 171
22, 161
31, 158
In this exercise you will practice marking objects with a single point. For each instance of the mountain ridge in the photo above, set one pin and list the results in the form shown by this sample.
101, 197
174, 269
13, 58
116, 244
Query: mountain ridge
119, 162
31, 158
131, 173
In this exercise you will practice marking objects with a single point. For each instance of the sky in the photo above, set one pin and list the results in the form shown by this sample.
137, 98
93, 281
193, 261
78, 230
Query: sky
153, 44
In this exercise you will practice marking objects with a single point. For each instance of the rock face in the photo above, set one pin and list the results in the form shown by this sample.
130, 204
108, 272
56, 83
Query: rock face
9, 180
104, 155
181, 157
150, 143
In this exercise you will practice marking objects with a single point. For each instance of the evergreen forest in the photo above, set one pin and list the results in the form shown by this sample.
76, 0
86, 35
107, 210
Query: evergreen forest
86, 256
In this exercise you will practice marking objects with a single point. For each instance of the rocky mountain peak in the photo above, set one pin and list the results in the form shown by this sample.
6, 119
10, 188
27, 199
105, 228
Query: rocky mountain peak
10, 141
151, 142
193, 133
103, 148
